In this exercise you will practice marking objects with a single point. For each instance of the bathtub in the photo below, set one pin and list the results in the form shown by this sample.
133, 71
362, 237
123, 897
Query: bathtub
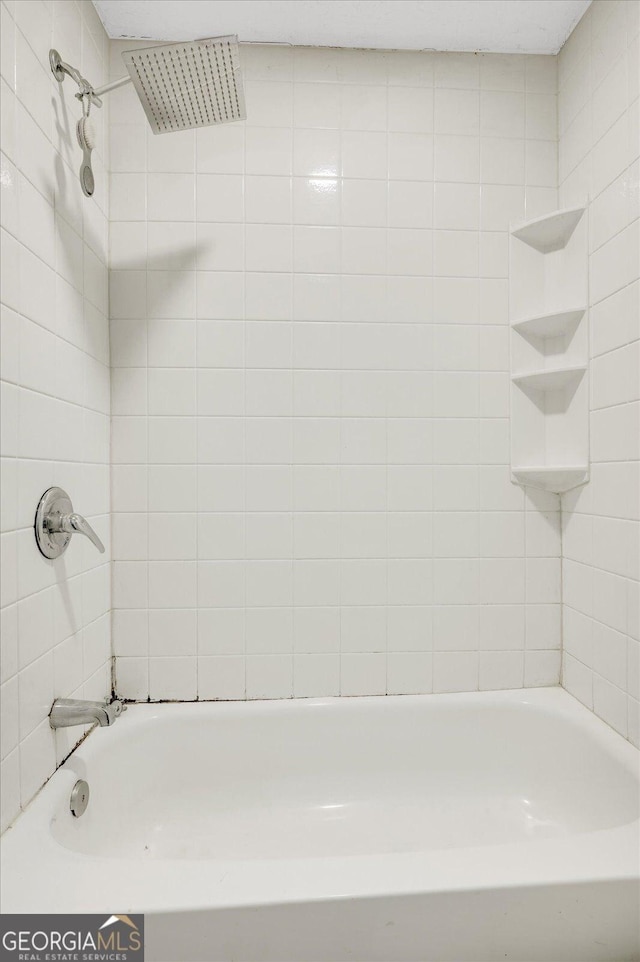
457, 828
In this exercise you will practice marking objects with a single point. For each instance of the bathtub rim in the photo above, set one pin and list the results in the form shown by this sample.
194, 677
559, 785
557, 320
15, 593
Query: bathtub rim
32, 859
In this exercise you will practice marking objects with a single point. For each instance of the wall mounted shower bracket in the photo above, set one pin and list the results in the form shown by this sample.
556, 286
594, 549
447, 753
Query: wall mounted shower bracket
60, 70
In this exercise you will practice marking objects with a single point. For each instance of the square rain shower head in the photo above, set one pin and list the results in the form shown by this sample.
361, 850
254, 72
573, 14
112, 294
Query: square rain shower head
189, 84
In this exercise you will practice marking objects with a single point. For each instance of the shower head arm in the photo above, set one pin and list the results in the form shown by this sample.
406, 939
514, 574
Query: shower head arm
114, 85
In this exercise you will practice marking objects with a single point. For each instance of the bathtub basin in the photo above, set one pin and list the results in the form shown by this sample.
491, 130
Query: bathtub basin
473, 827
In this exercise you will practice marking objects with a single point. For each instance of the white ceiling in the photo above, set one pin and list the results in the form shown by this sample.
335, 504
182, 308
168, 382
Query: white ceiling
501, 26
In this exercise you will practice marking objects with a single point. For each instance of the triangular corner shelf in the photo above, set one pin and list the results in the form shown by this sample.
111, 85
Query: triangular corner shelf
549, 325
555, 479
554, 379
551, 232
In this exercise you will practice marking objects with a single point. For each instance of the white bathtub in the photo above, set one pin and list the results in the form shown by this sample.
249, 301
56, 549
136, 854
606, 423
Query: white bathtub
457, 828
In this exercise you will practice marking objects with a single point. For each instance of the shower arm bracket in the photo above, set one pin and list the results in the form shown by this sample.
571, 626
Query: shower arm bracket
60, 70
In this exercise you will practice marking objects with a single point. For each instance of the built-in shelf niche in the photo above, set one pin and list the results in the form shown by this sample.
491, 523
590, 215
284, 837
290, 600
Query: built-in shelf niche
548, 294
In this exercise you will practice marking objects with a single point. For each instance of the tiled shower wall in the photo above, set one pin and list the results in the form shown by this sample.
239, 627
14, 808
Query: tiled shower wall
55, 388
599, 113
310, 439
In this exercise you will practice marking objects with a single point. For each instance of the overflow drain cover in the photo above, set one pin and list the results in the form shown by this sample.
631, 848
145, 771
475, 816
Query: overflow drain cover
79, 798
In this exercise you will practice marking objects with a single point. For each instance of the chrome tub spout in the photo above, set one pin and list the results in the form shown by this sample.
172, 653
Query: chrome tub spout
67, 712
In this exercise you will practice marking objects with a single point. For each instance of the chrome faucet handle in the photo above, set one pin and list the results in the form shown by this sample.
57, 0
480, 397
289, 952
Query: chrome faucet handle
56, 521
76, 523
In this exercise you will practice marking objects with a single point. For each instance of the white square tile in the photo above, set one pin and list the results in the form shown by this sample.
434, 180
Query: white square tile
409, 673
221, 584
221, 631
316, 201
316, 297
171, 197
457, 158
268, 247
172, 584
315, 441
269, 440
269, 583
410, 157
363, 674
364, 250
503, 581
316, 675
221, 677
410, 204
172, 632
269, 104
220, 393
316, 629
267, 200
316, 582
130, 633
456, 111
269, 535
220, 247
457, 207
172, 678
409, 581
410, 534
220, 149
363, 535
411, 109
316, 153
316, 249
316, 105
172, 487
501, 669
455, 671
172, 391
316, 535
363, 582
455, 627
269, 631
316, 393
409, 251
457, 70
364, 154
502, 113
541, 669
502, 160
174, 154
172, 537
268, 151
269, 676
363, 107
219, 197
364, 203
